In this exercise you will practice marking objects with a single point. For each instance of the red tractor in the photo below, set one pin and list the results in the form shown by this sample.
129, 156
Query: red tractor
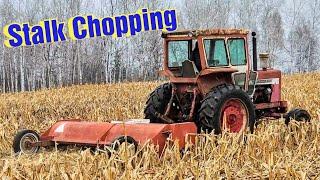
214, 84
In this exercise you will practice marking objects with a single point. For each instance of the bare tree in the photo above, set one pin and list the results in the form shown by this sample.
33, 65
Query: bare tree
288, 30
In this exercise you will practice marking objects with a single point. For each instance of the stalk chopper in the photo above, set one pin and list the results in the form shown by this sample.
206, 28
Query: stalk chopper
213, 87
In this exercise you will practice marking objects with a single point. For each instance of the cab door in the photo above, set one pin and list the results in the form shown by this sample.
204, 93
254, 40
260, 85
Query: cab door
238, 60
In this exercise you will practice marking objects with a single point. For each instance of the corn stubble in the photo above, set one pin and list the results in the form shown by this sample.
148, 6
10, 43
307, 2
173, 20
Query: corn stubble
273, 151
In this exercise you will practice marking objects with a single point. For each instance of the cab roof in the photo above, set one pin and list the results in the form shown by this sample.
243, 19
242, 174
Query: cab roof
206, 32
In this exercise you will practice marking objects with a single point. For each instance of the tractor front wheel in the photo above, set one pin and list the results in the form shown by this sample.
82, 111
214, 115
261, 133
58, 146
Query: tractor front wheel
297, 114
227, 107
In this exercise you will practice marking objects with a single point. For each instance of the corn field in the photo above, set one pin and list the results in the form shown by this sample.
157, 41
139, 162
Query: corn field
273, 151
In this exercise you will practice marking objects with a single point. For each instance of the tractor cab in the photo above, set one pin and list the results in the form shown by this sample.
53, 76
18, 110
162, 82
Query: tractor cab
190, 55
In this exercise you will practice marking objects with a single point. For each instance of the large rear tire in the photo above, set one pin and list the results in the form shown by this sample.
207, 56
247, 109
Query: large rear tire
226, 107
157, 102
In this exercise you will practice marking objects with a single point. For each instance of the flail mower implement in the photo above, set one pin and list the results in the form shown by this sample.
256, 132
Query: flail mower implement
101, 134
213, 87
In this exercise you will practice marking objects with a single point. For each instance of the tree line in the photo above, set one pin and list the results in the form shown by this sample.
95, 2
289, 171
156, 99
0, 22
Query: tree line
288, 30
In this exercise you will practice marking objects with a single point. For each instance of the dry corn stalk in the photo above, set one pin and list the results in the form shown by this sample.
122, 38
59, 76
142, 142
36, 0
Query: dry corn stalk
273, 151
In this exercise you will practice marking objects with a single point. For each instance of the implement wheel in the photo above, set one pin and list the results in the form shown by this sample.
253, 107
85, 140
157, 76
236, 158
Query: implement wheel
23, 140
227, 107
125, 143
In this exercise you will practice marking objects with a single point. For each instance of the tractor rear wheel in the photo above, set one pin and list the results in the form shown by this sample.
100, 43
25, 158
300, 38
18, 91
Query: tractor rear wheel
157, 102
226, 107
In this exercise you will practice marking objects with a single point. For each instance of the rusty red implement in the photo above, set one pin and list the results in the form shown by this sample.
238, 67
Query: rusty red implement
100, 134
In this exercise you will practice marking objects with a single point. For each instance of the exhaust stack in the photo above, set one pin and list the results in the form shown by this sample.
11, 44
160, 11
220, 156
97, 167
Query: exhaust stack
254, 52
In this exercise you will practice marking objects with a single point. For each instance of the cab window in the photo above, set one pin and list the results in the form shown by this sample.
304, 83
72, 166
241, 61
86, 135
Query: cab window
216, 52
178, 51
237, 52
